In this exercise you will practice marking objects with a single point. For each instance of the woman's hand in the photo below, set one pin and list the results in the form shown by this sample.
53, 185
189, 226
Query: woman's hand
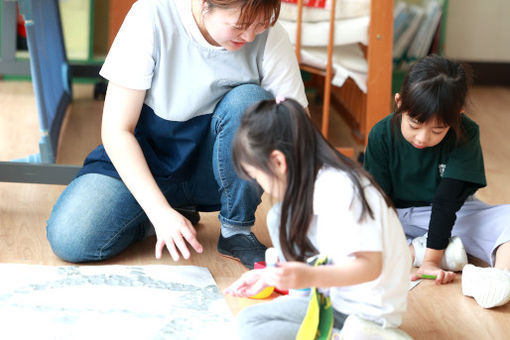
172, 230
431, 268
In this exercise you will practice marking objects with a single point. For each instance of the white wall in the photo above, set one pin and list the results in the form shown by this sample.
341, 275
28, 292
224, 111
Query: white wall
478, 30
76, 27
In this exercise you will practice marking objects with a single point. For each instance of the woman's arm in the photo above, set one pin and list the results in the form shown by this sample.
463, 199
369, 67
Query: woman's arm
280, 73
120, 115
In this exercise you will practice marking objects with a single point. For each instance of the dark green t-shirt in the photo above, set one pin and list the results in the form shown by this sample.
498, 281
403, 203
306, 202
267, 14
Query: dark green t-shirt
410, 176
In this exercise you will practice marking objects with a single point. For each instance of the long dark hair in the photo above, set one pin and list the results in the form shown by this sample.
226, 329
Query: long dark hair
268, 126
436, 87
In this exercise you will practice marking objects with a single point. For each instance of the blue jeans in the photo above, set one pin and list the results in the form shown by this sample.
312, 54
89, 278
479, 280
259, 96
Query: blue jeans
97, 217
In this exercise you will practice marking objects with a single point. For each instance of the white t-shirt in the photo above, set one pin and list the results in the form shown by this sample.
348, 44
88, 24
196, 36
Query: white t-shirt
132, 59
336, 232
159, 48
277, 77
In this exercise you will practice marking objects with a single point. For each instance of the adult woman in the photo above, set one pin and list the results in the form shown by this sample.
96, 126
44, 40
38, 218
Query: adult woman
181, 74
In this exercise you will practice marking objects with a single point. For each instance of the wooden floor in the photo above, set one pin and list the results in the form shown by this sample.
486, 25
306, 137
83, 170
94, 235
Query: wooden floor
435, 312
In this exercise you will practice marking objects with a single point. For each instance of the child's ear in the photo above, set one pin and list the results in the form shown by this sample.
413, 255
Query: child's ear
398, 99
279, 162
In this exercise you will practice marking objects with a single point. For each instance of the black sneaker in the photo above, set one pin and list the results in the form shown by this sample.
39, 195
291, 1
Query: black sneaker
190, 213
244, 248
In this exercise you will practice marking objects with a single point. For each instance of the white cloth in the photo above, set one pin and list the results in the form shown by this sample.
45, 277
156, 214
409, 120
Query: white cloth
151, 52
336, 232
481, 227
343, 9
348, 61
347, 31
348, 57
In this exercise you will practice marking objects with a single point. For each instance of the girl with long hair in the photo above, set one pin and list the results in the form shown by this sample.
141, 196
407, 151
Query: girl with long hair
327, 205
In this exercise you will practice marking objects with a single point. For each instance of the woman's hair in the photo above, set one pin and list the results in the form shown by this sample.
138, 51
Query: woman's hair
435, 87
250, 10
286, 127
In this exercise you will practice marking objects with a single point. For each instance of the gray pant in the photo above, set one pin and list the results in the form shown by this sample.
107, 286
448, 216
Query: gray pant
281, 318
278, 319
481, 227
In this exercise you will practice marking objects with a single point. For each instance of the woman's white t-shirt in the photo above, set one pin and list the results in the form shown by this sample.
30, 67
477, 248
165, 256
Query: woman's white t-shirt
131, 60
159, 49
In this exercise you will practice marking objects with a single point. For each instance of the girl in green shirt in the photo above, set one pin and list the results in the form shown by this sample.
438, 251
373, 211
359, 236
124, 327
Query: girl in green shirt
427, 157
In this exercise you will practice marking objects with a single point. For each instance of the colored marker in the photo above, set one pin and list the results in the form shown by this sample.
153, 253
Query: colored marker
431, 277
271, 257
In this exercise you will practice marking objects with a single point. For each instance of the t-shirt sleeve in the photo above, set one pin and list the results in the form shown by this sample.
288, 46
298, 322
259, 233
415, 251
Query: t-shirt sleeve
280, 70
130, 61
449, 198
465, 162
376, 160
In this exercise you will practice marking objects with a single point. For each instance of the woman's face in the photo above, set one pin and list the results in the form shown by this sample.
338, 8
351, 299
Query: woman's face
423, 135
222, 28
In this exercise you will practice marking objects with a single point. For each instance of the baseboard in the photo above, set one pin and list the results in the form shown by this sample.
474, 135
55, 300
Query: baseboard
485, 73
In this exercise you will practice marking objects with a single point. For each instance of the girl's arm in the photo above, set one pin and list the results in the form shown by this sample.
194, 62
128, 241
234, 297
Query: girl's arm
366, 266
121, 112
450, 196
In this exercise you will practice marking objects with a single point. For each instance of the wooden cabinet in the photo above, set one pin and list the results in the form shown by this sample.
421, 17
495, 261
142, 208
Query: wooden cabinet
118, 10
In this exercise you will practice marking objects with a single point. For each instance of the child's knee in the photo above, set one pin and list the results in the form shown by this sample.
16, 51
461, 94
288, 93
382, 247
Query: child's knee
247, 324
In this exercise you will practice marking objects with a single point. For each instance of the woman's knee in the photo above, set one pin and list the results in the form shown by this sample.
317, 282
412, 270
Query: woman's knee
64, 243
233, 105
81, 220
69, 235
248, 93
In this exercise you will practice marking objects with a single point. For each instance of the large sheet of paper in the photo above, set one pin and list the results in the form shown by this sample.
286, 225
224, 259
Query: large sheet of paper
112, 302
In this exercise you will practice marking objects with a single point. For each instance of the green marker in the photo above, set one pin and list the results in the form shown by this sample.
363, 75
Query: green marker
431, 277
